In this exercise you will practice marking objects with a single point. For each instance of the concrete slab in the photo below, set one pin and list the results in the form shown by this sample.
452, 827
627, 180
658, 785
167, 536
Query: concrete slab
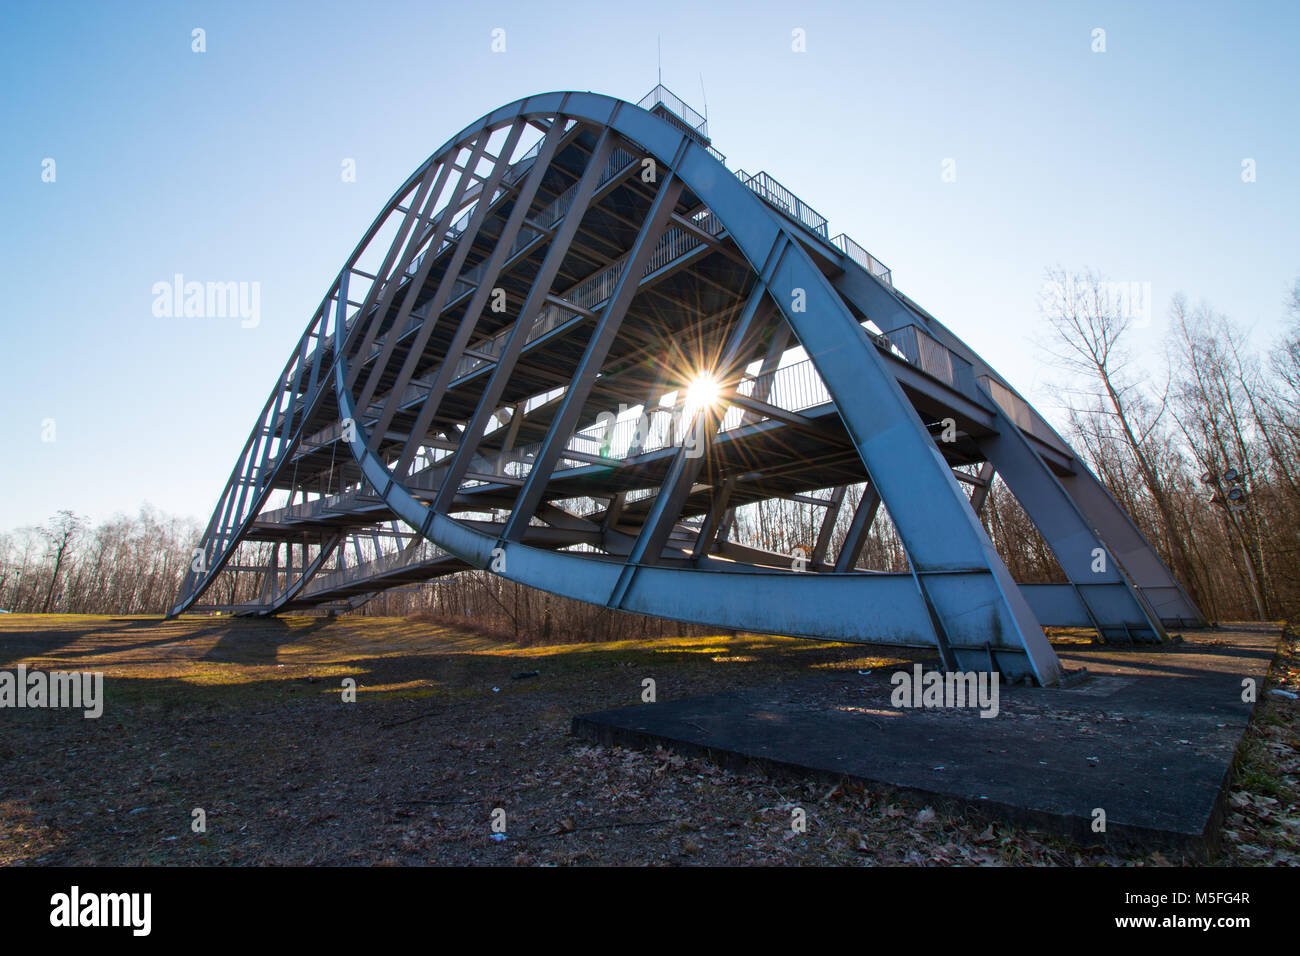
1148, 736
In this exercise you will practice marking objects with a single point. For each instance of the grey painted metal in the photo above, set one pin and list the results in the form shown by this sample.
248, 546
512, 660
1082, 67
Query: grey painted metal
1078, 549
980, 495
712, 524
538, 291
668, 503
863, 518
827, 528
597, 348
612, 264
462, 248
439, 229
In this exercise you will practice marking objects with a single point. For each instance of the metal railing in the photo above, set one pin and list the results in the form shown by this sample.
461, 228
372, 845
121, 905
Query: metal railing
794, 388
512, 175
677, 241
530, 231
662, 96
1018, 410
669, 106
785, 201
305, 510
416, 554
931, 356
588, 295
863, 258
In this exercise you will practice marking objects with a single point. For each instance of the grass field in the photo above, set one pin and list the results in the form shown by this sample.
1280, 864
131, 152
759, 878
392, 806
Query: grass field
246, 721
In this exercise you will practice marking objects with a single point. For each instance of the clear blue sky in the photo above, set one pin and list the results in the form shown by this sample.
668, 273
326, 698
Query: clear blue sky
225, 166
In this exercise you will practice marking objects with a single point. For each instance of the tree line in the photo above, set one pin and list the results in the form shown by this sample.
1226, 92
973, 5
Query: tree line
124, 565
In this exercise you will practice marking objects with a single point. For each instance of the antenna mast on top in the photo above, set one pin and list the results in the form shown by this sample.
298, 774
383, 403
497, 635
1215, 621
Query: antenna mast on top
659, 41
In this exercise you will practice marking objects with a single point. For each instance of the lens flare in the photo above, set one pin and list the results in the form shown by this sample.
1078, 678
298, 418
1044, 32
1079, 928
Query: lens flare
702, 392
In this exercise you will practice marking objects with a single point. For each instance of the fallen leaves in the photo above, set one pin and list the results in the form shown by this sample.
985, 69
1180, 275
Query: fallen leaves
299, 780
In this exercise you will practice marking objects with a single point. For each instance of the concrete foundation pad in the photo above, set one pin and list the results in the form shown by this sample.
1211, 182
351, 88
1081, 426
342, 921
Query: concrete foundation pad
1148, 737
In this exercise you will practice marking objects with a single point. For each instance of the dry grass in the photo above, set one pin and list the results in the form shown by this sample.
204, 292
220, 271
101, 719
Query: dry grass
245, 720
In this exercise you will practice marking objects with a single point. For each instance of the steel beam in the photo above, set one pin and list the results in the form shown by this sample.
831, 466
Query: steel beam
956, 596
602, 337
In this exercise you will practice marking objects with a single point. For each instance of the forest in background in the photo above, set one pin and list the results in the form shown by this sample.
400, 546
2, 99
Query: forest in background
1203, 453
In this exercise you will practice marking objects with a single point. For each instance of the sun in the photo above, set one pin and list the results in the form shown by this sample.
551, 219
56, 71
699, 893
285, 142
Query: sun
702, 392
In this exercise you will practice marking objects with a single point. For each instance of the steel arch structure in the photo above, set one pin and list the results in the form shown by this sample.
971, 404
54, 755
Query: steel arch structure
501, 377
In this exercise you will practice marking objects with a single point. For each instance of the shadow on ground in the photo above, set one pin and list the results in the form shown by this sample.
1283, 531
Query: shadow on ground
247, 722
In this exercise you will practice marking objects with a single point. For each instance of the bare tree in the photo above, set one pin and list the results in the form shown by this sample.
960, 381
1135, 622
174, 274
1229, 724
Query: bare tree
1215, 389
61, 533
1089, 321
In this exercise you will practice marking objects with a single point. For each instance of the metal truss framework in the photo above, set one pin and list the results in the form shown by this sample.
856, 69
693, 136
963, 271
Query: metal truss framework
499, 379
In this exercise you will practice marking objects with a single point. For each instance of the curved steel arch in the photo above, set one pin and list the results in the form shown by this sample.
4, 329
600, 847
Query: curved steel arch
608, 175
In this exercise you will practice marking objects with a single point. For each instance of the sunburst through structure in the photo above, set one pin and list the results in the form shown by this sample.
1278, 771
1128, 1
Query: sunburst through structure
574, 345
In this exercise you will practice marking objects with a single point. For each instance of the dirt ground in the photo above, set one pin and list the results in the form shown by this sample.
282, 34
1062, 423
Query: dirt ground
246, 721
